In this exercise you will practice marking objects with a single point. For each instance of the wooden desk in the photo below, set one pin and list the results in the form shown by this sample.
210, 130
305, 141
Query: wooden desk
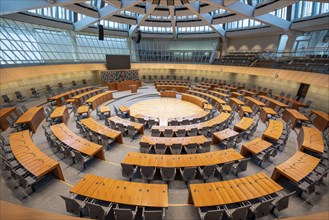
236, 95
139, 127
245, 110
310, 139
31, 157
83, 110
168, 141
236, 102
296, 167
204, 86
33, 117
200, 89
221, 118
226, 108
194, 99
84, 96
274, 102
4, 113
105, 109
58, 97
322, 121
168, 93
91, 124
254, 147
99, 99
214, 99
222, 90
230, 88
124, 109
180, 89
220, 136
253, 101
294, 116
133, 88
244, 124
124, 85
69, 138
248, 93
220, 94
182, 160
233, 191
122, 192
295, 104
60, 112
273, 131
266, 111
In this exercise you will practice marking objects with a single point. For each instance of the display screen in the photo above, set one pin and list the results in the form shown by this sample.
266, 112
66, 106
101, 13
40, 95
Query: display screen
117, 62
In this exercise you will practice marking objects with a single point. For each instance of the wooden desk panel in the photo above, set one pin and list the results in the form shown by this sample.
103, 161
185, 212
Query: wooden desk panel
99, 99
296, 167
139, 127
253, 101
61, 113
194, 99
236, 102
266, 111
321, 122
214, 98
91, 124
236, 95
294, 116
4, 113
168, 141
273, 131
82, 95
248, 93
124, 85
69, 138
168, 93
295, 104
122, 192
124, 109
244, 124
254, 147
220, 94
58, 97
274, 102
31, 157
33, 117
220, 136
233, 191
222, 117
181, 89
105, 109
226, 108
83, 110
245, 110
183, 160
310, 139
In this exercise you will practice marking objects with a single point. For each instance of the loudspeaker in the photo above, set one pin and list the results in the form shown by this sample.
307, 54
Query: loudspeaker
139, 37
100, 32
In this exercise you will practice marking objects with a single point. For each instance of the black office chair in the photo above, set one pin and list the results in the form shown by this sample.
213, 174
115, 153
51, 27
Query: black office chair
20, 96
6, 99
35, 92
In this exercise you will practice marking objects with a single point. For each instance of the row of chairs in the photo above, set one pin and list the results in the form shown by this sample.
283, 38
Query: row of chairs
125, 130
12, 118
256, 208
74, 84
149, 122
9, 101
178, 148
102, 210
168, 174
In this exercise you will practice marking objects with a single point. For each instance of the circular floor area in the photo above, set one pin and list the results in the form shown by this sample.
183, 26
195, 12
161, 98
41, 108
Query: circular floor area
164, 108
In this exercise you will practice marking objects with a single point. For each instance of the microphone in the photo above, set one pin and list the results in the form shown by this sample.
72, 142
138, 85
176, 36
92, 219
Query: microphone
40, 160
30, 153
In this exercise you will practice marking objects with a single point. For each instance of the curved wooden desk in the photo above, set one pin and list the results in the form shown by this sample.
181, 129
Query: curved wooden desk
33, 117
91, 124
254, 147
168, 93
244, 124
31, 157
220, 94
222, 90
294, 116
58, 97
266, 111
172, 82
244, 110
310, 139
233, 191
176, 88
321, 122
273, 131
202, 103
296, 167
222, 117
198, 116
236, 102
122, 192
273, 102
295, 104
168, 141
220, 136
248, 93
214, 98
84, 96
4, 113
99, 99
70, 139
60, 112
139, 127
183, 160
253, 101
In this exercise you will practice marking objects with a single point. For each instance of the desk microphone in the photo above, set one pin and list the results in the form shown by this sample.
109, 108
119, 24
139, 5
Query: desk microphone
40, 160
30, 153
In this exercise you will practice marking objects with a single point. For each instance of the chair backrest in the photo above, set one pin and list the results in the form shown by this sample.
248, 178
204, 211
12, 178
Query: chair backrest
123, 214
153, 215
176, 148
147, 172
189, 173
78, 157
266, 156
155, 132
127, 169
72, 206
240, 213
168, 131
283, 202
95, 211
263, 208
243, 164
193, 132
5, 98
209, 170
25, 109
168, 173
18, 94
213, 214
313, 117
227, 167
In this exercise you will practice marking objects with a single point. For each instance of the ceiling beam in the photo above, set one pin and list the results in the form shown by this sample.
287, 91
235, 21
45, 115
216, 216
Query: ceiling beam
149, 8
173, 20
10, 6
206, 18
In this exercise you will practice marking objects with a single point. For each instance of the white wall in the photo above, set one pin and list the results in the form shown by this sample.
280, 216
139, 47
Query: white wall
266, 42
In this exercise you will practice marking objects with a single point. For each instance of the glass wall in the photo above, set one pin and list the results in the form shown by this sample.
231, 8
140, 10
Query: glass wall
309, 8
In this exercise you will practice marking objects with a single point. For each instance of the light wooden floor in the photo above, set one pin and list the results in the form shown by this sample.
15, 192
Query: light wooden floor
164, 108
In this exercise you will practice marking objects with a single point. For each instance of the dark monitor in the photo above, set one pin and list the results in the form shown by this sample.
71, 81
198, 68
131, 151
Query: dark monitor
117, 62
